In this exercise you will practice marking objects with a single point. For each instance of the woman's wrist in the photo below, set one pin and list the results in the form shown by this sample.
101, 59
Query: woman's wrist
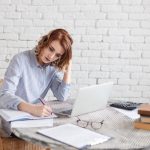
68, 71
26, 107
67, 76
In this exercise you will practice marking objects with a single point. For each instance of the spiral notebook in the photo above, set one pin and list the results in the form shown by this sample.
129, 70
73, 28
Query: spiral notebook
74, 135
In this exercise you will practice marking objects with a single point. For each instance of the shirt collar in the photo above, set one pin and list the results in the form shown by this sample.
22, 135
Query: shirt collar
33, 59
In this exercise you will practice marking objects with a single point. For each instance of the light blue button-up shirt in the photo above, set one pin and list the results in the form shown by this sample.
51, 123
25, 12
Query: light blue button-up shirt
26, 80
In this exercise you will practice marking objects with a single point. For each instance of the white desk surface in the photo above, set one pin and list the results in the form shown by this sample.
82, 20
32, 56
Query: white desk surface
116, 125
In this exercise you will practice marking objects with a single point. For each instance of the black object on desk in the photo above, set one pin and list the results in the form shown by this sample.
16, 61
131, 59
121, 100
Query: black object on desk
125, 105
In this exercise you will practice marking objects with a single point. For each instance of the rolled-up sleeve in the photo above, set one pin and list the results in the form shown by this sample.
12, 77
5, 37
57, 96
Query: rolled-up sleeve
60, 89
8, 99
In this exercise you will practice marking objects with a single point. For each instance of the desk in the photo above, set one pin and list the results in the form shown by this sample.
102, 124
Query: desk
116, 125
14, 143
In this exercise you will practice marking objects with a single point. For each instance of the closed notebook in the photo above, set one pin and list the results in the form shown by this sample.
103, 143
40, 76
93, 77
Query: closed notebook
8, 126
140, 125
74, 135
144, 109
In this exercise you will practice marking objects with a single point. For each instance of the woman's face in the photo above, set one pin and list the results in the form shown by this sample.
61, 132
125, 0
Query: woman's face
51, 53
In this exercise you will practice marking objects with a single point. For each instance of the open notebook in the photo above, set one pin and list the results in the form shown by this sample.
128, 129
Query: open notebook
17, 119
13, 115
74, 135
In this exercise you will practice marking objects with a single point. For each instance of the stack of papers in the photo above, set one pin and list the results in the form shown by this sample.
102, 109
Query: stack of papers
74, 135
132, 114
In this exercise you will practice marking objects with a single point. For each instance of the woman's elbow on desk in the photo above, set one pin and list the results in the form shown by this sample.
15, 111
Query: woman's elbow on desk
62, 97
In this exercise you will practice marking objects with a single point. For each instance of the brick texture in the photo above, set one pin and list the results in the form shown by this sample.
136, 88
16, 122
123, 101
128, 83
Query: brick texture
111, 40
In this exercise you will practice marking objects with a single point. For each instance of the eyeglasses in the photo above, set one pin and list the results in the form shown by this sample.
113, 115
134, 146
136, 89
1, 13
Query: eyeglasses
94, 125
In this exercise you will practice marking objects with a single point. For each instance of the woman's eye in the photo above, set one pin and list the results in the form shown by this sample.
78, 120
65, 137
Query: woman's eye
51, 49
58, 56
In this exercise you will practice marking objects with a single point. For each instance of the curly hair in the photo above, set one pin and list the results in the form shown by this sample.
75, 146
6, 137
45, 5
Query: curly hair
65, 41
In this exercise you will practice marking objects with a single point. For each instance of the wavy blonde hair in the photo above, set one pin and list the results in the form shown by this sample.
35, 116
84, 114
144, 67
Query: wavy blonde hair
65, 41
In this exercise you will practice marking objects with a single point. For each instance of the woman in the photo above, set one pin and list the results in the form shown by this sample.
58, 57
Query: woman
32, 73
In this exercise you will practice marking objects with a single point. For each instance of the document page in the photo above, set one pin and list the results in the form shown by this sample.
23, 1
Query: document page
74, 135
133, 114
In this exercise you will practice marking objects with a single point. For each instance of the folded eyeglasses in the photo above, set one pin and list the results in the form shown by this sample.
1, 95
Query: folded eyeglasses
95, 125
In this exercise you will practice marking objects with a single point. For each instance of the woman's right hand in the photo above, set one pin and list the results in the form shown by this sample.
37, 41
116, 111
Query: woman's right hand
38, 110
41, 110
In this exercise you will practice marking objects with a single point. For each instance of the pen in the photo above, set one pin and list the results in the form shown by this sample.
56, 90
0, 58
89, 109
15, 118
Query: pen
41, 100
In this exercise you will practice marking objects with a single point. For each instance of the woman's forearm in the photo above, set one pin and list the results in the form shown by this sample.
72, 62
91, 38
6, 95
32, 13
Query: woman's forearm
26, 107
67, 77
67, 73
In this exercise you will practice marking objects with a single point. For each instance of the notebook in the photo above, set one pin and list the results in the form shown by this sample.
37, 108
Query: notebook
19, 119
8, 126
13, 115
89, 99
73, 135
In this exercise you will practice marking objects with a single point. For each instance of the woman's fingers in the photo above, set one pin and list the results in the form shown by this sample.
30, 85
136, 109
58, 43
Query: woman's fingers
41, 110
47, 111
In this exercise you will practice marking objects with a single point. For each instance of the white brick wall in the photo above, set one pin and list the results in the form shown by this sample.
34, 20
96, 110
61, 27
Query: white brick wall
111, 39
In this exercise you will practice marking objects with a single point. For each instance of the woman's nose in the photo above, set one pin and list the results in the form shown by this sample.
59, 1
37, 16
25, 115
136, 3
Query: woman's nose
51, 56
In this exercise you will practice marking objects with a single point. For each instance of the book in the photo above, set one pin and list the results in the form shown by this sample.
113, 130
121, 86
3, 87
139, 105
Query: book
145, 119
144, 109
13, 115
74, 135
141, 125
9, 125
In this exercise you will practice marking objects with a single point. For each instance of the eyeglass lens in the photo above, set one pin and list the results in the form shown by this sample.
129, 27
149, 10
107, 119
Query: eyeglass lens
82, 123
97, 125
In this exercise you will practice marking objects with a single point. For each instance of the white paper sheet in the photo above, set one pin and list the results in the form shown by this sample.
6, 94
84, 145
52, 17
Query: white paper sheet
133, 114
73, 135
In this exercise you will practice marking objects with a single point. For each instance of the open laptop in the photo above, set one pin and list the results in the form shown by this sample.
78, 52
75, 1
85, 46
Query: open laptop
89, 99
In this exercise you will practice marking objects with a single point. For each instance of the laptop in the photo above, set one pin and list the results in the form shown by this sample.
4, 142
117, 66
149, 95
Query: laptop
89, 99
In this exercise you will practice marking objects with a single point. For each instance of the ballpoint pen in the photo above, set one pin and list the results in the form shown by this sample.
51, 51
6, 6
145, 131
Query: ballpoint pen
42, 101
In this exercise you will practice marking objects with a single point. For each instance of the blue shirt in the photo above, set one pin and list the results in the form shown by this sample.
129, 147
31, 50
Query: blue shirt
26, 80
